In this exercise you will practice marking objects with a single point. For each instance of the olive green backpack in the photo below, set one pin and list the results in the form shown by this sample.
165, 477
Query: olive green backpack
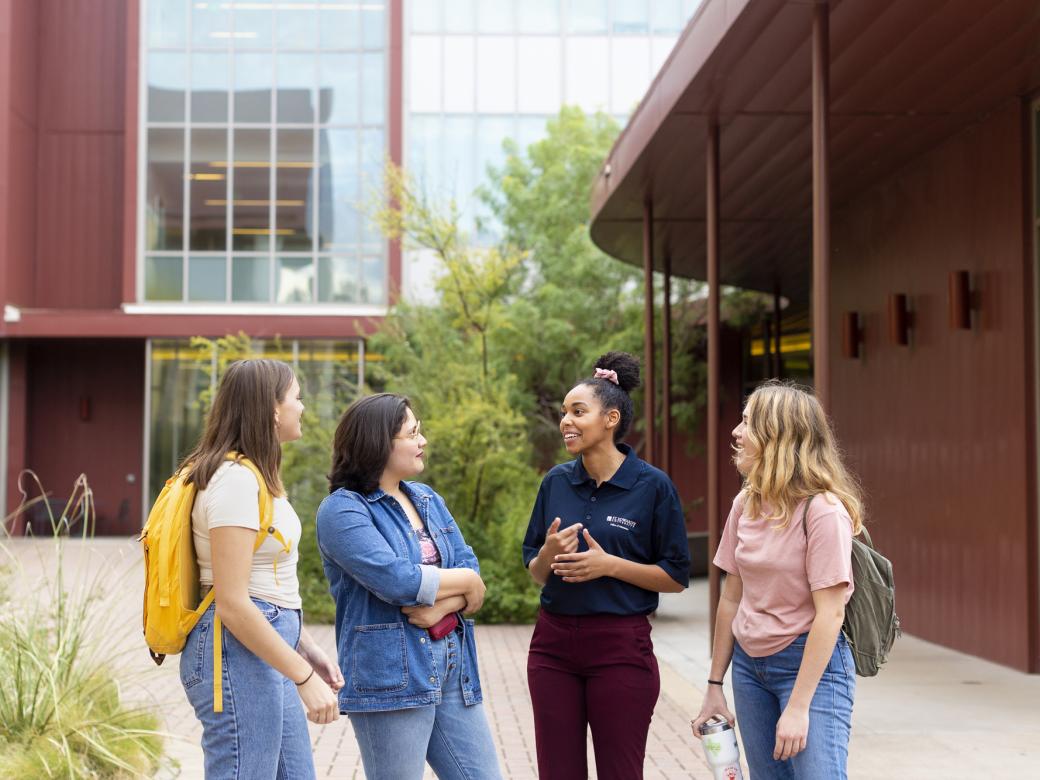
871, 623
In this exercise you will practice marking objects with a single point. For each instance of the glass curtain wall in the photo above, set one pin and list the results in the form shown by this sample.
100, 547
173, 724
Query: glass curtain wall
264, 132
481, 72
184, 377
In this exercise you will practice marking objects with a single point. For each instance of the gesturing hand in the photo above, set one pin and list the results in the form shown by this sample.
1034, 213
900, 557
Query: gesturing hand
582, 567
558, 542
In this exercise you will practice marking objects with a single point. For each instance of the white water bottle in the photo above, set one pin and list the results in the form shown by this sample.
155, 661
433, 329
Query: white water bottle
720, 748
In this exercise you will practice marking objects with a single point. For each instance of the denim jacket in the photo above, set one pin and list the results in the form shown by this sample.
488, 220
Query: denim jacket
372, 562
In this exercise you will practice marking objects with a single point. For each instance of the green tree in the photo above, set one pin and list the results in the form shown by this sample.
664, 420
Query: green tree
449, 359
512, 327
573, 302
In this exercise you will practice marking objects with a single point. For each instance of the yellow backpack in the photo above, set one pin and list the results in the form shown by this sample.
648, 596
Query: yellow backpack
171, 570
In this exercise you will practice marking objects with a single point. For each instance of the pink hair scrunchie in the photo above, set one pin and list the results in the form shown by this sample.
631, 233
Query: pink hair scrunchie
608, 374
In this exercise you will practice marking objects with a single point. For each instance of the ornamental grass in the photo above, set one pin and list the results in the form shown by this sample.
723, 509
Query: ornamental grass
63, 713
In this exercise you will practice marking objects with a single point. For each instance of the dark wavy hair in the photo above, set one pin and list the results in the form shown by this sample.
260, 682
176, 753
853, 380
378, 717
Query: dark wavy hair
363, 441
619, 396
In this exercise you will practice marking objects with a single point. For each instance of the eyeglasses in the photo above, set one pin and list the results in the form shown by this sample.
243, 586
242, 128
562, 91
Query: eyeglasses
414, 435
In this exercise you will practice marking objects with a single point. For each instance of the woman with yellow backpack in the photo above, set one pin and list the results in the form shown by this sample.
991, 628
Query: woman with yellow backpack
271, 671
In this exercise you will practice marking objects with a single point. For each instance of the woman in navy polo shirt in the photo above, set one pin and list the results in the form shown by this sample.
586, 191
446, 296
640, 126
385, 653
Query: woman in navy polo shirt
606, 536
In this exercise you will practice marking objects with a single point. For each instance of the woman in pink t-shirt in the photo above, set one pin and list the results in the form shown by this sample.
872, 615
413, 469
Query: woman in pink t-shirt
787, 550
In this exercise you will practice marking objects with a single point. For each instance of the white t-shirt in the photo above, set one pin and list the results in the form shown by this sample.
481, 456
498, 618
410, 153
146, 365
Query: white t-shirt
232, 497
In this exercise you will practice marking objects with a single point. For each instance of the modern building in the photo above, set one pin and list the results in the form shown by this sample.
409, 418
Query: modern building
874, 165
478, 72
180, 168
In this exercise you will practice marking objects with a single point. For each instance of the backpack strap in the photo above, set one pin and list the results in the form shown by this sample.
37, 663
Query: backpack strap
266, 506
805, 516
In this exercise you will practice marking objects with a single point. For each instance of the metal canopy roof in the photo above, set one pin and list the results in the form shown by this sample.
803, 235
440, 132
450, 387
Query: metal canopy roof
904, 75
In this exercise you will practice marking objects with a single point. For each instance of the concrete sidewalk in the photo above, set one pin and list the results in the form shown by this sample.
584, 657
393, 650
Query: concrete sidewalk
931, 713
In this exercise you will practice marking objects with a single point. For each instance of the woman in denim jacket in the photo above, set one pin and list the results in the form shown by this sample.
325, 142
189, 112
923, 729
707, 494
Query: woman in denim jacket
402, 577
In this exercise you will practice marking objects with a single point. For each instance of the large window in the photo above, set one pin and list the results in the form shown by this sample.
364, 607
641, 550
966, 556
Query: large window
481, 72
264, 140
184, 377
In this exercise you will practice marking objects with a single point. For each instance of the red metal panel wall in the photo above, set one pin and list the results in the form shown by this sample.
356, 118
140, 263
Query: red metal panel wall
937, 429
80, 169
18, 126
82, 65
102, 381
21, 213
80, 208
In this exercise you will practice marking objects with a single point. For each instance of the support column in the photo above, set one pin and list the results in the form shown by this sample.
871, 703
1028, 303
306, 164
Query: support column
714, 361
821, 202
666, 370
650, 391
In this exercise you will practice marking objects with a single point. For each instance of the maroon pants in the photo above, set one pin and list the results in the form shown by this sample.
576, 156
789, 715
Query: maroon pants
595, 671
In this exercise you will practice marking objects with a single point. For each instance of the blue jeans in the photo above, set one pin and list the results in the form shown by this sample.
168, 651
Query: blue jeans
452, 737
262, 732
761, 690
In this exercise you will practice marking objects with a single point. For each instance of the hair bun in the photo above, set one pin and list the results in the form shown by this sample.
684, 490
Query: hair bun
625, 365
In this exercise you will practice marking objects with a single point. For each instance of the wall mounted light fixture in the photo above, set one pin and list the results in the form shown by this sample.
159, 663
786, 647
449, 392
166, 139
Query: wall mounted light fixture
959, 301
851, 334
898, 319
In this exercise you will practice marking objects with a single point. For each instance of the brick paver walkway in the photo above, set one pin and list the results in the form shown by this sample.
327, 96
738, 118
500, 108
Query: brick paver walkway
672, 754
927, 716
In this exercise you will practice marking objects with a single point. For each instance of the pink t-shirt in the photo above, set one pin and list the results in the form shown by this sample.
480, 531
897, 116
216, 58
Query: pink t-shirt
780, 568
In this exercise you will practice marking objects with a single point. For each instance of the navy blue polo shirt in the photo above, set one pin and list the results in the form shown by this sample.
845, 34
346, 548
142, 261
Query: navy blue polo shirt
635, 514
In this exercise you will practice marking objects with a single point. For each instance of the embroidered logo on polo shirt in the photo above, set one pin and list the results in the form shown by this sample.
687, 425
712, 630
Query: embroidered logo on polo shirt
621, 522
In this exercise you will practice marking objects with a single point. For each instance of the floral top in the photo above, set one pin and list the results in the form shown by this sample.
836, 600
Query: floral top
430, 556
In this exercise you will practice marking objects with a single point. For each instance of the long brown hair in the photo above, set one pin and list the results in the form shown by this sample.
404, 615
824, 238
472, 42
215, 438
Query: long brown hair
798, 455
242, 420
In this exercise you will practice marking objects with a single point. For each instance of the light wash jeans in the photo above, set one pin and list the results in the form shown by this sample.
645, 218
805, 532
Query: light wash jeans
453, 738
761, 690
262, 732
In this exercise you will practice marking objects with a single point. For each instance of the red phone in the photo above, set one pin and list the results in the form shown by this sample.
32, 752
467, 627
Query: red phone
444, 626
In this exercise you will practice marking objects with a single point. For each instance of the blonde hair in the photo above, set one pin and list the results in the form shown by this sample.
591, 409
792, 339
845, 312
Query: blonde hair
797, 455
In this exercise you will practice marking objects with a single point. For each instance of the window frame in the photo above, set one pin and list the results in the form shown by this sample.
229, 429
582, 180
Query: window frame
361, 248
